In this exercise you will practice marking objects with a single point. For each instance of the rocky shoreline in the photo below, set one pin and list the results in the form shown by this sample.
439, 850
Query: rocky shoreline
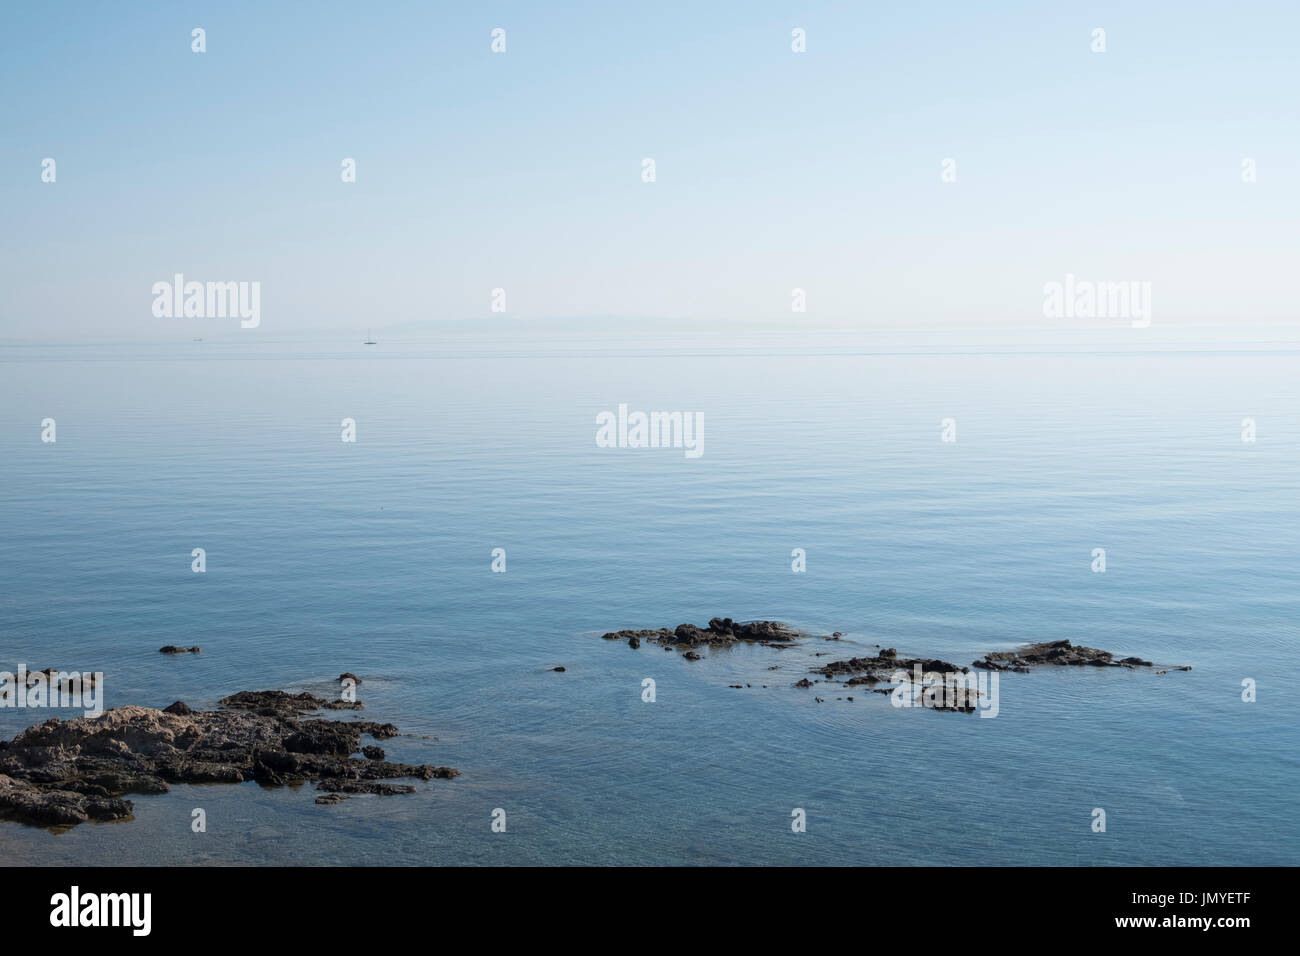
65, 772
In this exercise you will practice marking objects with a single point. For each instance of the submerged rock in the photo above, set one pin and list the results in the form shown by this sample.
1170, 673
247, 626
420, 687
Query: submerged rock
64, 772
173, 649
282, 703
949, 692
364, 786
931, 684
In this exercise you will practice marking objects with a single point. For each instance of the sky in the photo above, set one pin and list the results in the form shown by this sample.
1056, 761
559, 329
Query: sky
522, 170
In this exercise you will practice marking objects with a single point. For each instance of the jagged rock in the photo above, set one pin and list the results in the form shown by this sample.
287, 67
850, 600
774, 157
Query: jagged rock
50, 806
874, 669
63, 772
720, 631
1061, 653
946, 694
690, 635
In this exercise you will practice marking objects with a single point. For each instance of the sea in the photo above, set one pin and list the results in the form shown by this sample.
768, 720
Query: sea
945, 492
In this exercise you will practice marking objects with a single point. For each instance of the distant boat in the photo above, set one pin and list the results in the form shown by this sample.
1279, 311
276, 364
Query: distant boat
369, 340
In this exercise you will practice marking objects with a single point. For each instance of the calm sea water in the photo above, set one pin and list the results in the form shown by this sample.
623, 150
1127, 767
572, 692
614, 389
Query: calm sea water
374, 557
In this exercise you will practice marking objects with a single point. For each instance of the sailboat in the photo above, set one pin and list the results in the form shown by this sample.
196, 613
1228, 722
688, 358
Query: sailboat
369, 340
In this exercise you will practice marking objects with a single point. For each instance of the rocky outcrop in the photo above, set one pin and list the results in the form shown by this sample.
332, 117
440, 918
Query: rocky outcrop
1060, 653
721, 631
64, 772
50, 806
942, 684
870, 670
884, 666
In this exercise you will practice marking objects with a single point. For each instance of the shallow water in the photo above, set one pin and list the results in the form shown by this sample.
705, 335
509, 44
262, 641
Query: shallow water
374, 557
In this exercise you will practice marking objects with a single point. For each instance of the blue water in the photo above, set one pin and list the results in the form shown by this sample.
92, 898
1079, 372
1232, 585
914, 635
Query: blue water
374, 557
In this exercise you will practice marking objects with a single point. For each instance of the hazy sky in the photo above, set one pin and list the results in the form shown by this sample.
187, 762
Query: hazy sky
523, 170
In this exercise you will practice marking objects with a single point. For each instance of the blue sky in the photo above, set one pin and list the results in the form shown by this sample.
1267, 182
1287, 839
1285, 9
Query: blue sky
521, 170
